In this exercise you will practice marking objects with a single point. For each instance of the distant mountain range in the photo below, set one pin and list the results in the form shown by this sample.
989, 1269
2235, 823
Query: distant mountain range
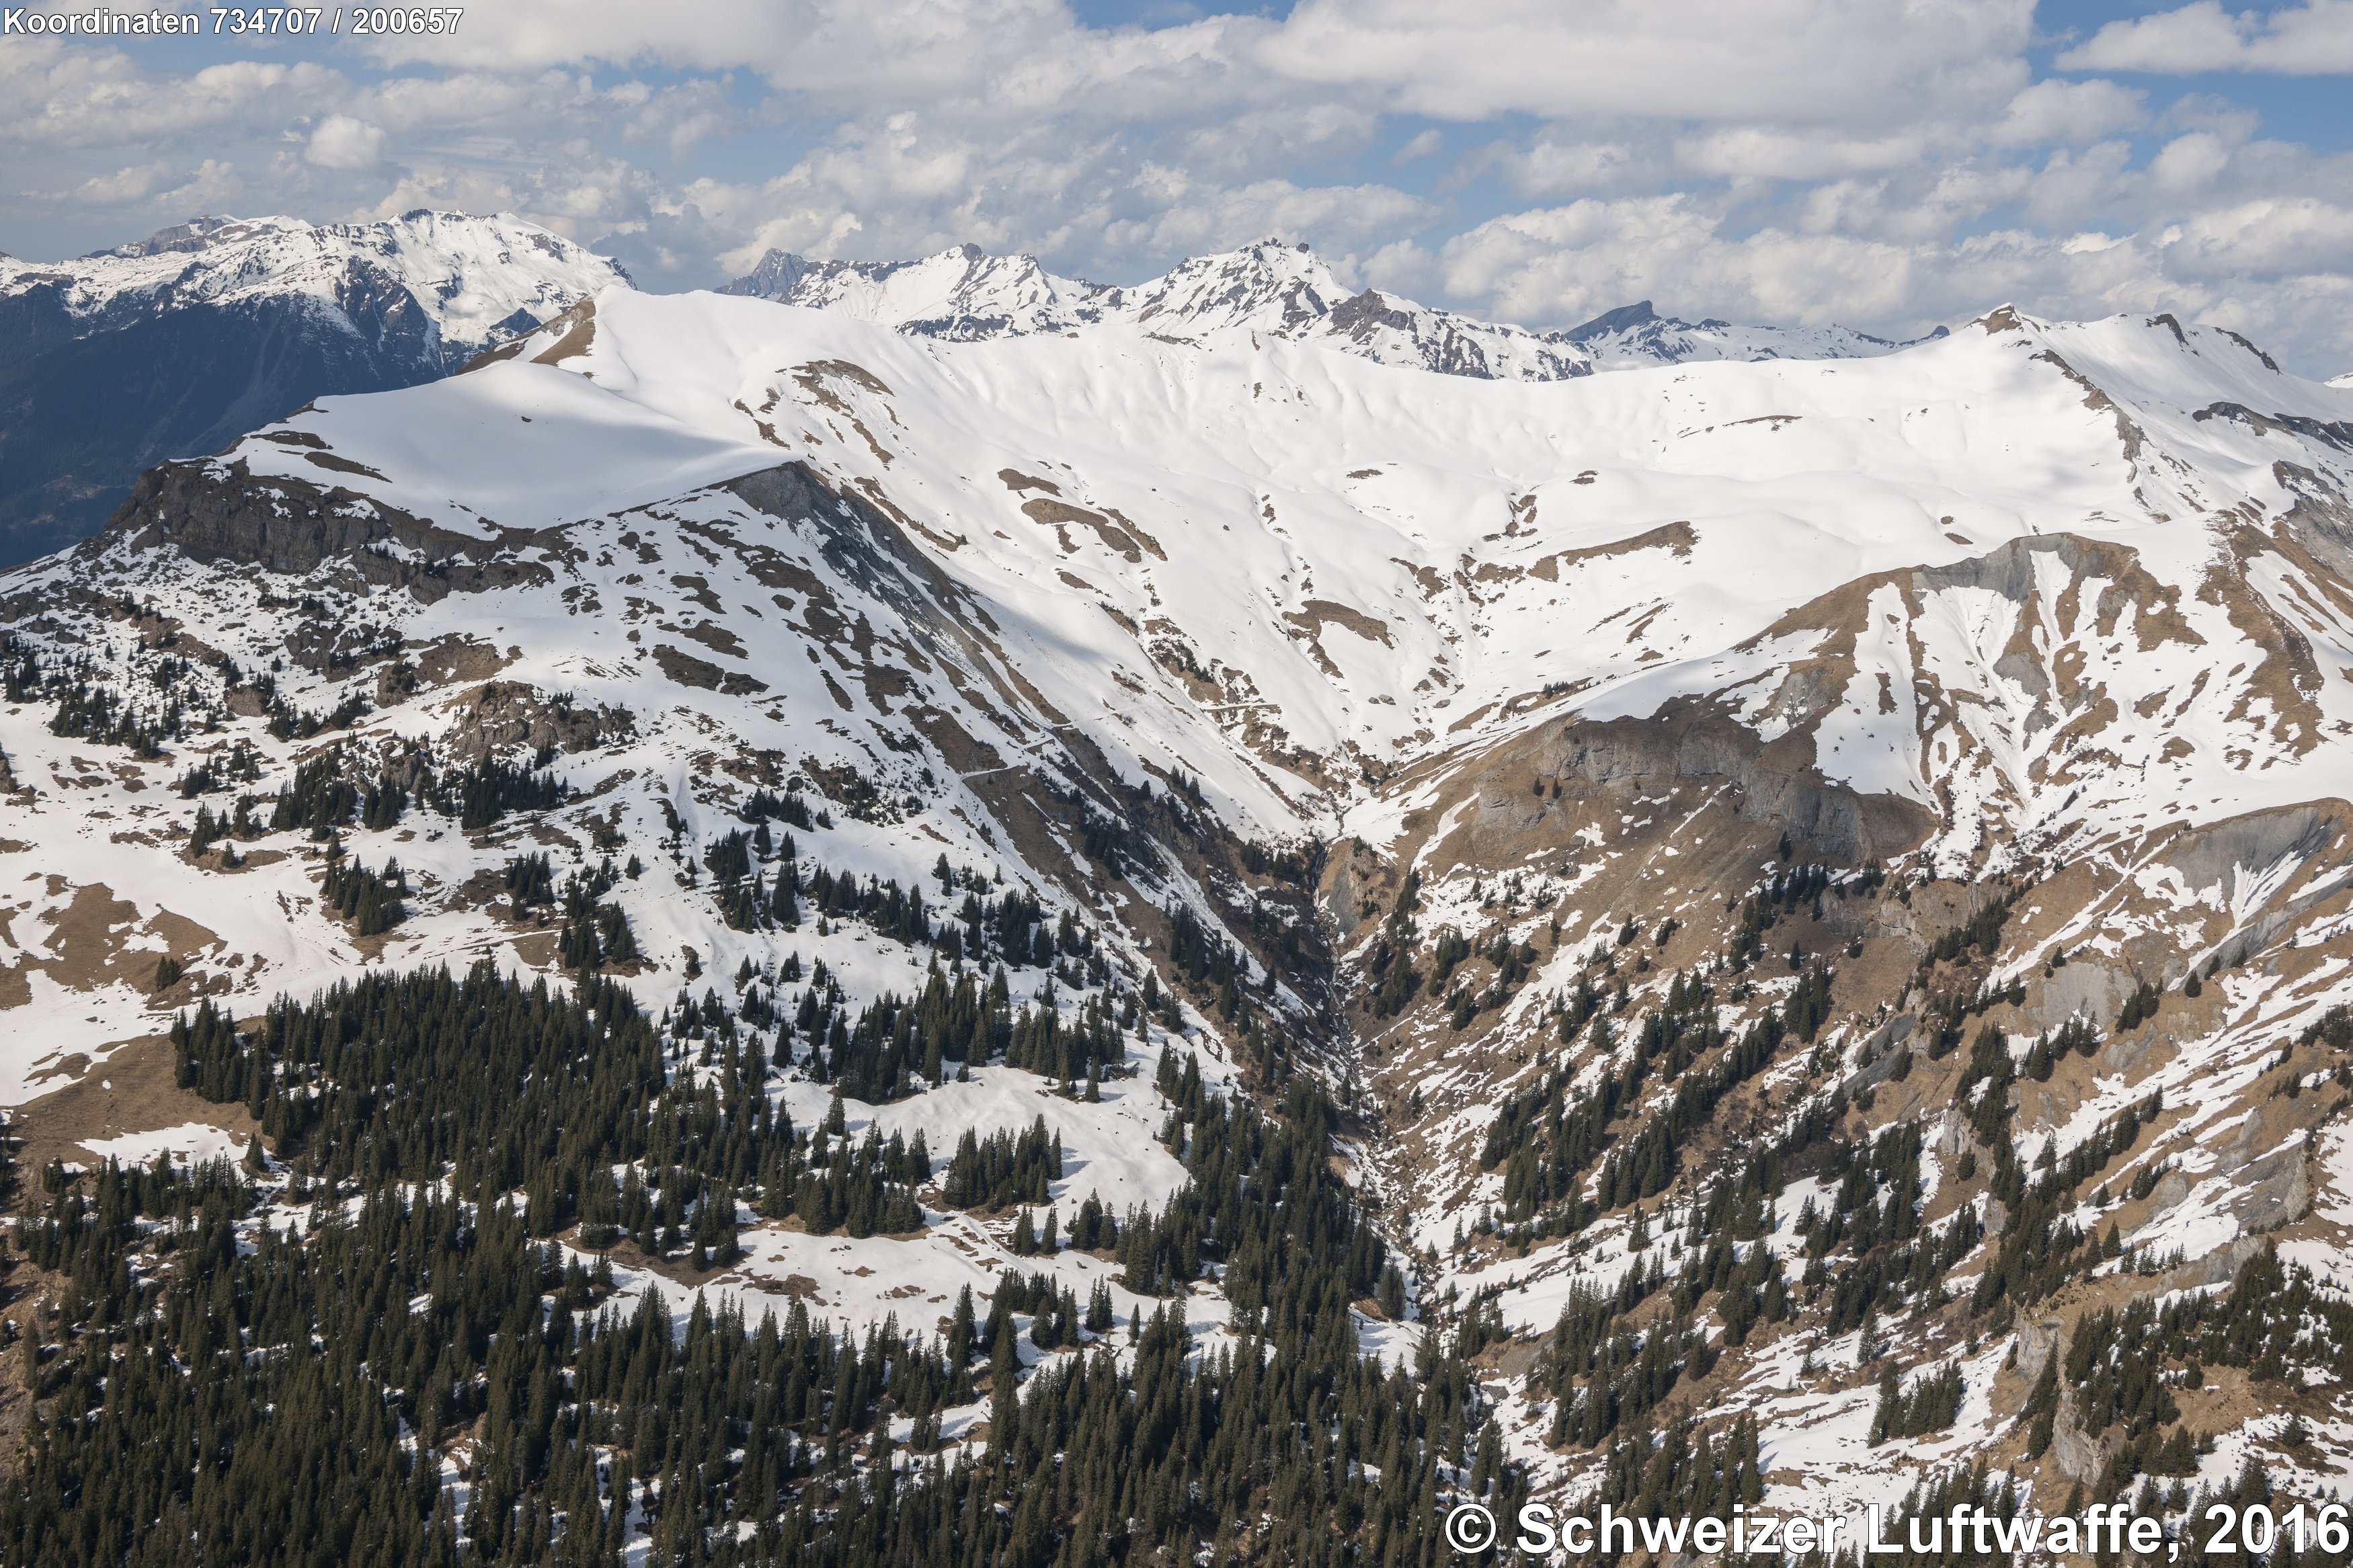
966, 295
177, 346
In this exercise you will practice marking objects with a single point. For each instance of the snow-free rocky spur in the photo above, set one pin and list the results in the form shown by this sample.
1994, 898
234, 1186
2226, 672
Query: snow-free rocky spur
1088, 943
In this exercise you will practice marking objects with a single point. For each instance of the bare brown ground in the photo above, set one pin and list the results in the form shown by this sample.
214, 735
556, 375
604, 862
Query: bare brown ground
133, 1092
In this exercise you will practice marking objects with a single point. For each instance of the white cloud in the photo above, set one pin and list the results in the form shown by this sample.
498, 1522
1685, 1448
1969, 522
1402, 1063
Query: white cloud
56, 96
682, 115
211, 184
844, 52
122, 185
1818, 62
2312, 40
1556, 266
340, 141
1780, 153
1859, 63
476, 99
2190, 164
1422, 146
1570, 166
2274, 238
2070, 114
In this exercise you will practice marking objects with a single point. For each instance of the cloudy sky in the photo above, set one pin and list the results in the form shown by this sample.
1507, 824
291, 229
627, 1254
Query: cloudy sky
1886, 164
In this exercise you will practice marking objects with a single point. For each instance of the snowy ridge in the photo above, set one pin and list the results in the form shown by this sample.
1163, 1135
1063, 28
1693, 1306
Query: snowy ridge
960, 295
1269, 288
1635, 335
1369, 565
472, 281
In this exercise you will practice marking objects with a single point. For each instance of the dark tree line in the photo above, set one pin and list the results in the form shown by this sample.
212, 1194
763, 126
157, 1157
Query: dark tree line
220, 1384
371, 901
327, 793
761, 884
1549, 1139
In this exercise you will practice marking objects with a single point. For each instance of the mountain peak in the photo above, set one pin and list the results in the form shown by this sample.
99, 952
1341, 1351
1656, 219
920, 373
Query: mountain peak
961, 294
194, 234
1269, 285
773, 277
1623, 318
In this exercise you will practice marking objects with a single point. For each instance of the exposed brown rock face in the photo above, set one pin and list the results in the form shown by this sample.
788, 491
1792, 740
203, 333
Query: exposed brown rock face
215, 513
504, 715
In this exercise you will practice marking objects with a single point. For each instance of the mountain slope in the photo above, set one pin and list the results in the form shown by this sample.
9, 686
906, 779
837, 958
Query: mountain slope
1281, 290
180, 343
1758, 851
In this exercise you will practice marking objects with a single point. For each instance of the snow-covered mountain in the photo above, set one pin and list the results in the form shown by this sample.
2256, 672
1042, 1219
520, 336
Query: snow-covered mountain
427, 287
177, 345
1635, 335
1876, 825
960, 295
1269, 288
